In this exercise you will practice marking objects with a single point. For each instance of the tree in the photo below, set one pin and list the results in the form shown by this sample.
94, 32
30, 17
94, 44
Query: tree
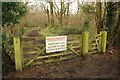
112, 21
117, 27
54, 10
51, 14
110, 17
47, 11
99, 16
11, 14
62, 12
116, 32
116, 35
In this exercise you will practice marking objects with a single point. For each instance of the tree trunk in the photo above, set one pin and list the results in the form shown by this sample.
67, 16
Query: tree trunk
117, 27
68, 8
61, 13
99, 16
51, 14
110, 22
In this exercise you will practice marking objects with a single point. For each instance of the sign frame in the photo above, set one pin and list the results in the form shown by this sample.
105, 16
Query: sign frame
56, 44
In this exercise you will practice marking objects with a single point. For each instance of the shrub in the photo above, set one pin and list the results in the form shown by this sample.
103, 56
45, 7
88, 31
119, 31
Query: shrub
65, 30
7, 46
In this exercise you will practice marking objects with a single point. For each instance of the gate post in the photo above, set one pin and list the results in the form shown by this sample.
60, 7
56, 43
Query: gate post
104, 37
100, 42
17, 52
85, 44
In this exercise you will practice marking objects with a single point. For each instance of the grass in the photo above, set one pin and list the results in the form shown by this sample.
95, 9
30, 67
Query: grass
58, 30
46, 32
68, 30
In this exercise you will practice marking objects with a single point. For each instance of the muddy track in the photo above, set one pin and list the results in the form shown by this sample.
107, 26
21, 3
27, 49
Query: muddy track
33, 32
94, 66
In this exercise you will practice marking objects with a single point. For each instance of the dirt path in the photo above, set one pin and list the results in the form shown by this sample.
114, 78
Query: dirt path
33, 32
94, 66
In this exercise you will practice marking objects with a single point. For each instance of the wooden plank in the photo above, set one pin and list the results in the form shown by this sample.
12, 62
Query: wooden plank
75, 47
52, 55
36, 45
32, 42
34, 57
97, 44
94, 44
47, 56
73, 50
98, 35
29, 62
93, 48
49, 61
71, 42
32, 52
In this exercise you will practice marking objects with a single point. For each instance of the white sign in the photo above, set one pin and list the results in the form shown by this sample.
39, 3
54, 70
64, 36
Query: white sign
56, 43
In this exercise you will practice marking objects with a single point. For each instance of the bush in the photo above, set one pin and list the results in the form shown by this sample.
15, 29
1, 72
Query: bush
7, 45
65, 30
71, 29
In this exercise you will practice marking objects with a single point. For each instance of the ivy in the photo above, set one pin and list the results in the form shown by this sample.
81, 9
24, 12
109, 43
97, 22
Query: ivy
12, 12
110, 17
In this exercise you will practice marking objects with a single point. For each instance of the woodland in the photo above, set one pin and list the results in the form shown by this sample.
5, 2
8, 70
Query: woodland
33, 21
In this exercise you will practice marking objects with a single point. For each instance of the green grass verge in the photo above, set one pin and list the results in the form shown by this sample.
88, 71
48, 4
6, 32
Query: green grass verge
46, 32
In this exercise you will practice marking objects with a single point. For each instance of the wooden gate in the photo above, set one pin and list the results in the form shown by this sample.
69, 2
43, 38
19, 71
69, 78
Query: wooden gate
32, 50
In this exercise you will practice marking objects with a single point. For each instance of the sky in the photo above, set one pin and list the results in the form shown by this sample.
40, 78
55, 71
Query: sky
73, 6
58, 0
76, 0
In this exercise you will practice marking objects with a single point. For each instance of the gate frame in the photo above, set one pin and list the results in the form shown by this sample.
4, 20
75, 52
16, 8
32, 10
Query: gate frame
85, 47
101, 45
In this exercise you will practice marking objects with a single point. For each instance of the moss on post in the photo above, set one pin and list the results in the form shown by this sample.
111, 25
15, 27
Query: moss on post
85, 45
104, 37
18, 55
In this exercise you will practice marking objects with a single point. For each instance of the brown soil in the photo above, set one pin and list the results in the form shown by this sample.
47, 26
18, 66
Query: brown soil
94, 66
